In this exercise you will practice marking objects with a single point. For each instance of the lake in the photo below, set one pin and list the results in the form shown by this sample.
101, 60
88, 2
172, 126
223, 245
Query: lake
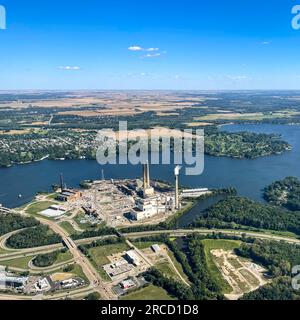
249, 177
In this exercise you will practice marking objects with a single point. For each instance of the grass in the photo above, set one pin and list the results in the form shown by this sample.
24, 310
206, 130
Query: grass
145, 245
150, 292
21, 263
3, 251
168, 271
178, 266
67, 227
250, 278
63, 257
85, 226
214, 271
76, 271
37, 207
165, 267
235, 263
98, 256
246, 229
52, 196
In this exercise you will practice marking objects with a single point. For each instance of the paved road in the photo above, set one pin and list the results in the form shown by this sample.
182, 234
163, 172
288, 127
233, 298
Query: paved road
96, 283
183, 232
88, 269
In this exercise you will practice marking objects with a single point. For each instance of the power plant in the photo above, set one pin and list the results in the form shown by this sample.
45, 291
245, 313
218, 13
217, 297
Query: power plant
176, 172
119, 202
148, 191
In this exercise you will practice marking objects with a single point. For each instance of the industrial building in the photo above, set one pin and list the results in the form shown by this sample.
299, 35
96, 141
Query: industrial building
194, 193
133, 258
69, 195
151, 203
8, 280
127, 284
53, 211
156, 248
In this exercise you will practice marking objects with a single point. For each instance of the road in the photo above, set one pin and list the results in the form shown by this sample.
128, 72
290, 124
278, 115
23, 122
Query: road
88, 269
183, 232
96, 283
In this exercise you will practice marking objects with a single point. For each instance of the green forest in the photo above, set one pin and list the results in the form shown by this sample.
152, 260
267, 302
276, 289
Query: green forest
244, 144
33, 237
236, 212
284, 193
279, 258
11, 222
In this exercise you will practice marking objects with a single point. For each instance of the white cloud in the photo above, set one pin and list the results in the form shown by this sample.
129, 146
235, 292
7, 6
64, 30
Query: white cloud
135, 48
152, 55
69, 68
152, 49
138, 48
237, 77
151, 52
265, 43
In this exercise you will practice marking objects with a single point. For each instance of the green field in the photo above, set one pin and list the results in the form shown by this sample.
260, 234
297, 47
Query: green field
77, 271
63, 257
149, 293
3, 251
214, 271
98, 256
21, 263
166, 268
37, 207
168, 271
144, 245
178, 266
67, 227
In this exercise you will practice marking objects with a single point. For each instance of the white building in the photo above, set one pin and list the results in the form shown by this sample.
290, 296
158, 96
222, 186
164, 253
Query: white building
155, 248
194, 193
145, 209
42, 285
127, 284
133, 258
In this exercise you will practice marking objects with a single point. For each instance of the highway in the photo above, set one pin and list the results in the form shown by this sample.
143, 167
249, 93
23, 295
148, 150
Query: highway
183, 232
96, 283
91, 273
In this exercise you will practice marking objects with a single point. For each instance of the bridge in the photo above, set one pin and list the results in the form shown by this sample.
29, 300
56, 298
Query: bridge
4, 210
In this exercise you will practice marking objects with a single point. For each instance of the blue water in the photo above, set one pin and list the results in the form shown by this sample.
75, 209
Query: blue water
249, 177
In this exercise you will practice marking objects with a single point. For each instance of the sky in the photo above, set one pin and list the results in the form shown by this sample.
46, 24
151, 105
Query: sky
149, 45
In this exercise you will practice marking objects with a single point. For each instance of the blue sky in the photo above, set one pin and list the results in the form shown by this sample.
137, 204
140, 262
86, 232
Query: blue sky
190, 44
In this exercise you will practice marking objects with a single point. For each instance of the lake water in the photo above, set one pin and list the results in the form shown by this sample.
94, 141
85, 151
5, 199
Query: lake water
249, 177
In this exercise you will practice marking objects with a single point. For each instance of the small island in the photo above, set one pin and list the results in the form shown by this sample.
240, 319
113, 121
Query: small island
244, 145
284, 193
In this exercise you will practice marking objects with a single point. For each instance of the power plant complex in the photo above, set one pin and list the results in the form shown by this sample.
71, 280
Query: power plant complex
152, 203
128, 201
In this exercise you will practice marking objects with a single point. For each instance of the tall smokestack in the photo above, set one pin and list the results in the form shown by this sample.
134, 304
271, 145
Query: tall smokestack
176, 172
148, 175
144, 176
62, 182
